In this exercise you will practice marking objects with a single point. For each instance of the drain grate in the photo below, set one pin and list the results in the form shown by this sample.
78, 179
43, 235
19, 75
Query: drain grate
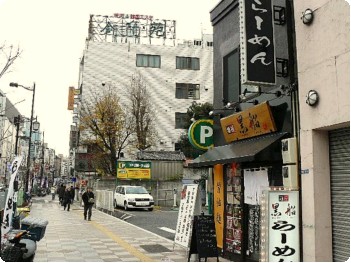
155, 248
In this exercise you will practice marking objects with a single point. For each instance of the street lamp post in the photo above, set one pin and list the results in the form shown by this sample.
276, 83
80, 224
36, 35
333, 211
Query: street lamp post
12, 84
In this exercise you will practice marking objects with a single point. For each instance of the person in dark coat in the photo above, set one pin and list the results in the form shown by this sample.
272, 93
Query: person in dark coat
72, 191
88, 200
61, 192
67, 199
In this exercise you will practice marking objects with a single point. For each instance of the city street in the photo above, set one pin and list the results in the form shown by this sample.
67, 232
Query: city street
161, 221
69, 238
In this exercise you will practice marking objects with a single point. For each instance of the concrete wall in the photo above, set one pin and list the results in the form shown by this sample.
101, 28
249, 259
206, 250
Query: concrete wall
323, 65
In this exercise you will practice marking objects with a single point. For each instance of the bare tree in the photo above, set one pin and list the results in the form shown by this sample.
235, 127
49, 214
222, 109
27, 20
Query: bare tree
8, 55
106, 128
142, 112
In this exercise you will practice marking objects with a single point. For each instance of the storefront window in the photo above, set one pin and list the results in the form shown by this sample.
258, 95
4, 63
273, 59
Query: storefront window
234, 232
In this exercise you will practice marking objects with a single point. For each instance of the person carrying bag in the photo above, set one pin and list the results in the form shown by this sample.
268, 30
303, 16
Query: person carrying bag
88, 200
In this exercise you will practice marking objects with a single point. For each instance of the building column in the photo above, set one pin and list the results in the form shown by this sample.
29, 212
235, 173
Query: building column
315, 195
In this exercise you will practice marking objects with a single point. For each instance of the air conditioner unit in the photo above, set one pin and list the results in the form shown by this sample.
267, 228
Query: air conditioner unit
290, 176
289, 151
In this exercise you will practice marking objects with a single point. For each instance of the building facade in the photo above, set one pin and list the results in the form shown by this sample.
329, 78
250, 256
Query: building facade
294, 177
325, 128
175, 73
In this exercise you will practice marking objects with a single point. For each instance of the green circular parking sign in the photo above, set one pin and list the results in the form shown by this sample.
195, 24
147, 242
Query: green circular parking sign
200, 134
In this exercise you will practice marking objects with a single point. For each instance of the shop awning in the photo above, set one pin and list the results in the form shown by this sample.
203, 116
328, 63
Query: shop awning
239, 151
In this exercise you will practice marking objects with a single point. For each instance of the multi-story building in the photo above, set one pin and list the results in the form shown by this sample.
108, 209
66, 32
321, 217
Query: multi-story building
176, 73
324, 74
283, 192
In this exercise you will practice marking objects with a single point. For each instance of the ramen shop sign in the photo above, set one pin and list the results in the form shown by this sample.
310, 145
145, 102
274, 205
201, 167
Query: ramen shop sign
257, 42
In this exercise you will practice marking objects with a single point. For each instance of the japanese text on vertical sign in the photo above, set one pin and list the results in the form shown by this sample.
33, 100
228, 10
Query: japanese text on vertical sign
257, 41
283, 226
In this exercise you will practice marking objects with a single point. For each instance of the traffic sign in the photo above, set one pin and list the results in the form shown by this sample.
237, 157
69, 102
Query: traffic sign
200, 134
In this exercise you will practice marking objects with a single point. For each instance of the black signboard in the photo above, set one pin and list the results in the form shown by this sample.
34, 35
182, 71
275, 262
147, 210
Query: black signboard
203, 239
257, 42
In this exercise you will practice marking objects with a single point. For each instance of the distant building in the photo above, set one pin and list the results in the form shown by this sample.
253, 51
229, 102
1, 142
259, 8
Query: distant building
176, 73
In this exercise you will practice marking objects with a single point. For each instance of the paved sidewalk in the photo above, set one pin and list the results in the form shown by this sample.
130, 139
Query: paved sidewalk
69, 238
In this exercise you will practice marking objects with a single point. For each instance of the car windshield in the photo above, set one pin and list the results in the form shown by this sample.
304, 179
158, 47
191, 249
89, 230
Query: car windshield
136, 190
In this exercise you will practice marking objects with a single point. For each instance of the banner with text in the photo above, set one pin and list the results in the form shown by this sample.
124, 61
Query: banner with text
190, 205
133, 170
11, 197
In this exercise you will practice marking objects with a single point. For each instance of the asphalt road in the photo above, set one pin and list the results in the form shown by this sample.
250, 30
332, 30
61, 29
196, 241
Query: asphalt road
160, 221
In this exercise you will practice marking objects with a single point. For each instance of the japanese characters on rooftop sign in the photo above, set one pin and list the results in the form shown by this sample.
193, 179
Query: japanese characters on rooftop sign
123, 28
132, 16
257, 42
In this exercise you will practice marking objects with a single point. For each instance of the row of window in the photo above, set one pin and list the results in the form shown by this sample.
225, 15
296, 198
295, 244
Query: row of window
154, 61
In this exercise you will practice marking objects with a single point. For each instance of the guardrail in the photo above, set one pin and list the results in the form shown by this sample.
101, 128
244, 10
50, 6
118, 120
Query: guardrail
104, 200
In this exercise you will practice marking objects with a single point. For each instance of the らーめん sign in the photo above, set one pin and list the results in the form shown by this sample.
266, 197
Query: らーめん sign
257, 42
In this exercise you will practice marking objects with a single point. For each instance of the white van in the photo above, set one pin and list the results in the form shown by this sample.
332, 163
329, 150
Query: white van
128, 196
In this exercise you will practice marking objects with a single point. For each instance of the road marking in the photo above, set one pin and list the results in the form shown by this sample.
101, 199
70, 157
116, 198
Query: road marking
127, 217
167, 229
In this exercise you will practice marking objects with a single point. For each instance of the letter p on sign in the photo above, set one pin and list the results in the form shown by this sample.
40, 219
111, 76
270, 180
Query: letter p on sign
205, 132
200, 134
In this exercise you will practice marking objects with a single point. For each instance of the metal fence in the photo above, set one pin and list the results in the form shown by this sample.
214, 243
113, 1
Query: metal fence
104, 200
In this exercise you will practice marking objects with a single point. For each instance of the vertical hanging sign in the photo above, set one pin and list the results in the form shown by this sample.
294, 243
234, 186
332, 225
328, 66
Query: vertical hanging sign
11, 197
281, 219
257, 42
218, 207
190, 205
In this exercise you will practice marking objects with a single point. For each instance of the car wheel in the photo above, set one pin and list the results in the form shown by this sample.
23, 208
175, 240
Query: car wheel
125, 205
150, 209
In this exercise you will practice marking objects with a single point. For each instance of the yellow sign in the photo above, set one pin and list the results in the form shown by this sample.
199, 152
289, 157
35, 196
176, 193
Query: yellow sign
252, 122
218, 208
133, 170
70, 98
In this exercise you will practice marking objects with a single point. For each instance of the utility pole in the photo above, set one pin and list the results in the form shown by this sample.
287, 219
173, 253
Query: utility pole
42, 161
17, 121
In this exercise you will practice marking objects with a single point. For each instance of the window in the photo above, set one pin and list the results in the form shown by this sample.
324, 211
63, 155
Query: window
180, 120
232, 87
151, 61
187, 91
197, 42
187, 63
209, 44
177, 146
231, 76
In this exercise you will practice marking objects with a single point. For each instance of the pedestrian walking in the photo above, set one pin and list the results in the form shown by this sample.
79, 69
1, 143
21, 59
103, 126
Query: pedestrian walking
61, 192
67, 199
53, 192
89, 200
72, 191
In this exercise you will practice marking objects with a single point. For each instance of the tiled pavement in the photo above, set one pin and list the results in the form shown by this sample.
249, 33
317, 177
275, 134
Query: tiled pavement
69, 238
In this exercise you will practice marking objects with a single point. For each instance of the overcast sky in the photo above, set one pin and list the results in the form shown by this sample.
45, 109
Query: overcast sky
52, 34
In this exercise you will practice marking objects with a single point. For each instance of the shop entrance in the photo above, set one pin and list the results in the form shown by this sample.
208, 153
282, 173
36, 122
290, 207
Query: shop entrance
242, 210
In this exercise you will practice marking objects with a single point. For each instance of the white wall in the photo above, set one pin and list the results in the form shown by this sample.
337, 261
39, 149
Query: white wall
323, 65
115, 63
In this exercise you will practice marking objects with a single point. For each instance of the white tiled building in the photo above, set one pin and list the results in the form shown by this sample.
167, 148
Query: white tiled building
175, 74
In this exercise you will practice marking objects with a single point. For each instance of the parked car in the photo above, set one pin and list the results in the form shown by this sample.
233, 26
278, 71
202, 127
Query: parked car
133, 197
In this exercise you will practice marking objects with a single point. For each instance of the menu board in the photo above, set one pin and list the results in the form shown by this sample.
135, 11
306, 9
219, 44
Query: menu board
190, 205
233, 238
253, 245
203, 240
